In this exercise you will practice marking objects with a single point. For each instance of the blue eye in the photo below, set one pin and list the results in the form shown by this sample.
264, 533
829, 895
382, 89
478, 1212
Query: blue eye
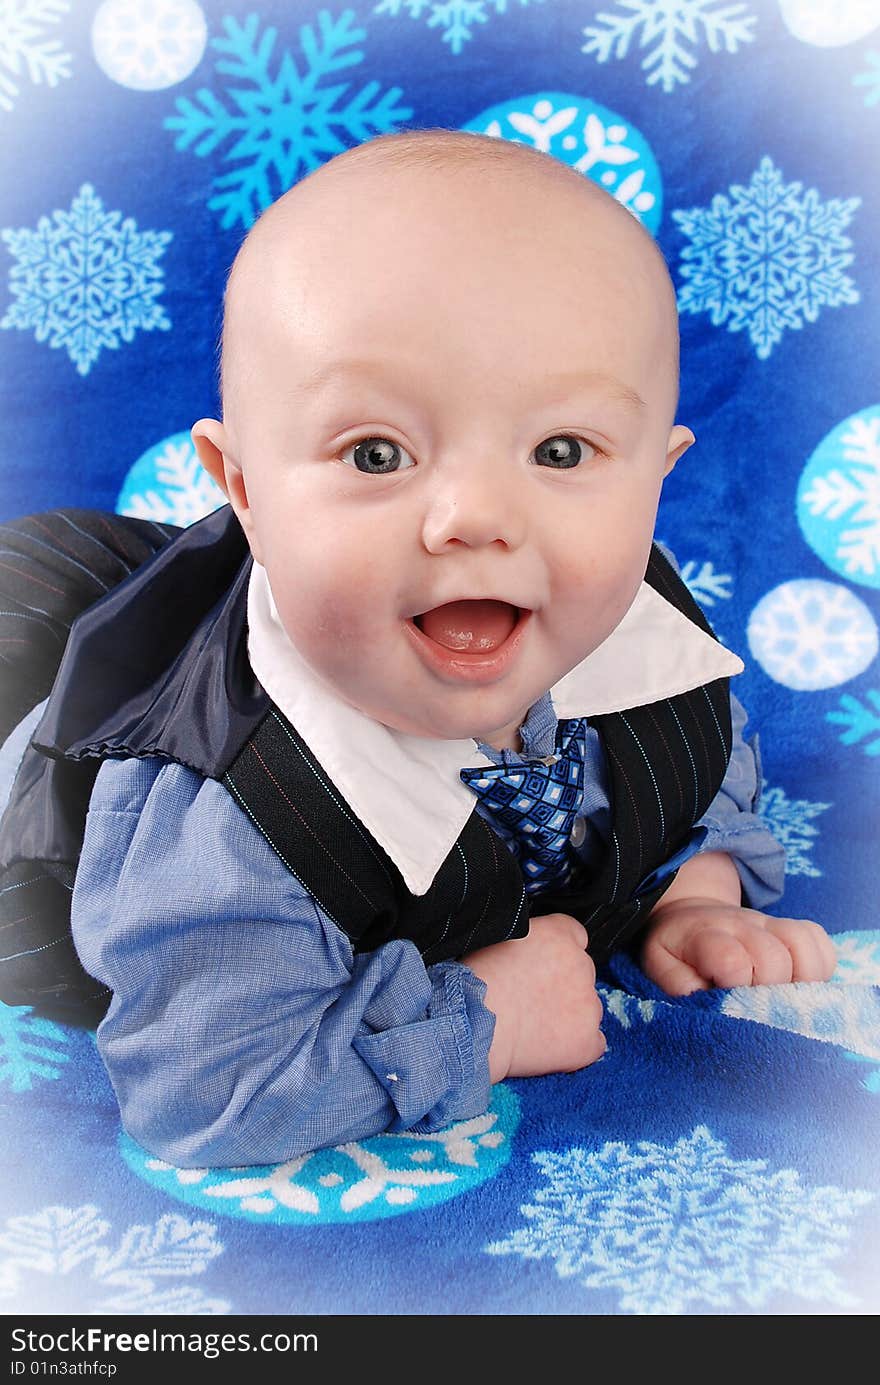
562, 450
377, 456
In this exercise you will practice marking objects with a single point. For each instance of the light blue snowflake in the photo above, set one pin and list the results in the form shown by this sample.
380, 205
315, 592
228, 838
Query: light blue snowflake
789, 819
58, 1261
283, 126
767, 258
706, 585
671, 1228
859, 719
23, 48
672, 23
32, 1049
86, 282
453, 17
870, 80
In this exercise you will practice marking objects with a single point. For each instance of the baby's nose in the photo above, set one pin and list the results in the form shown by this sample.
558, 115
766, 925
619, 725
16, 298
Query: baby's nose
475, 506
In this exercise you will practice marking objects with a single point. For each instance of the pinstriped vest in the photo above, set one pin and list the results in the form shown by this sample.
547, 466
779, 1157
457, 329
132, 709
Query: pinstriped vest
666, 763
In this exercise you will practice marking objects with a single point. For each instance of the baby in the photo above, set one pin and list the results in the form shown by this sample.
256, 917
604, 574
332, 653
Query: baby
449, 386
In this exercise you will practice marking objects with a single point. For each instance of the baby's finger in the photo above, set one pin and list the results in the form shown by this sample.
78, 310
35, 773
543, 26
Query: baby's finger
772, 963
668, 971
813, 954
720, 957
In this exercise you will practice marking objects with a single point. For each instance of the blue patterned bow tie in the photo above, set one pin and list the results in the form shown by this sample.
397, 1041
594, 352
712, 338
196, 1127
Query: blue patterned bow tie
535, 806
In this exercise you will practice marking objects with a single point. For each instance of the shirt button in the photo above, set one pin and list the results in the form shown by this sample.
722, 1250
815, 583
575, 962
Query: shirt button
578, 832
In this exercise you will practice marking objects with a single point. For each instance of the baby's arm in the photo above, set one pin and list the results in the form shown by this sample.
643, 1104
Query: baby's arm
243, 1028
699, 935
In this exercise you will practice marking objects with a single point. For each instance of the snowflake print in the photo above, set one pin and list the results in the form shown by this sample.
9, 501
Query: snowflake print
766, 258
706, 585
668, 25
860, 720
454, 18
23, 49
363, 1180
809, 634
838, 500
148, 44
790, 821
870, 80
824, 1010
86, 282
59, 1261
32, 1049
671, 1229
590, 138
284, 126
858, 956
168, 483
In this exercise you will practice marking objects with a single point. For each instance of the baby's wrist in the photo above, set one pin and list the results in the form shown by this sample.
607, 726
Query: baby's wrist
709, 875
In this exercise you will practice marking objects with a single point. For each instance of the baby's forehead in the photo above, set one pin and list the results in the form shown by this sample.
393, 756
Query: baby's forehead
372, 240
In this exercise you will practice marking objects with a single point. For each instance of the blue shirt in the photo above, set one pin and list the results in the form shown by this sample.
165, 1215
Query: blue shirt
243, 1027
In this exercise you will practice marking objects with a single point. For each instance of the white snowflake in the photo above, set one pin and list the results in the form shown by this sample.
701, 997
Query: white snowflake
285, 126
147, 45
628, 1010
605, 142
809, 634
32, 1049
852, 492
673, 1228
86, 281
789, 819
453, 17
669, 24
184, 492
707, 585
858, 956
870, 80
767, 258
375, 1174
23, 47
59, 1261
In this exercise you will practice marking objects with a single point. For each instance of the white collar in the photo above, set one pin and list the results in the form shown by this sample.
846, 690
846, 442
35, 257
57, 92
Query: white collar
405, 789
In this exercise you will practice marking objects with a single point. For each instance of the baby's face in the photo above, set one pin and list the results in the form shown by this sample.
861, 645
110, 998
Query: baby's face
447, 391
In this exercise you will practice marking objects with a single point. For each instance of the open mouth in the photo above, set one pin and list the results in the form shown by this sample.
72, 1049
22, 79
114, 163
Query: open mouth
470, 627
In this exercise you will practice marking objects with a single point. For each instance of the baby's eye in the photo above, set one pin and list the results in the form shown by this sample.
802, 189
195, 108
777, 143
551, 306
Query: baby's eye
378, 456
562, 450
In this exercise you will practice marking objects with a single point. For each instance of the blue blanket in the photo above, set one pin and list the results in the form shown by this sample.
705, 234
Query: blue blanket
722, 1156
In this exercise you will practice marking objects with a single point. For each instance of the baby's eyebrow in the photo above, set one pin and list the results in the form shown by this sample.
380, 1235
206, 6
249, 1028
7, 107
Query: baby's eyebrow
569, 381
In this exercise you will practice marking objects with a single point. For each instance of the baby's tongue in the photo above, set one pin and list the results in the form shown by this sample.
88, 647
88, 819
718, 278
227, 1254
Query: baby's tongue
477, 626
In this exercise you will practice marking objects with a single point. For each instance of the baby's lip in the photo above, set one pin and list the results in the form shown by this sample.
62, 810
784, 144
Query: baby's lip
519, 606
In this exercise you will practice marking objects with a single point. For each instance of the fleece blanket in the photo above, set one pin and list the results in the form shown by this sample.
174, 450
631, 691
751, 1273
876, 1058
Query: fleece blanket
721, 1157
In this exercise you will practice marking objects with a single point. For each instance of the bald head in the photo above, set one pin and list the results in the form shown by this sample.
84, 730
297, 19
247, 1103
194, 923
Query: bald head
400, 211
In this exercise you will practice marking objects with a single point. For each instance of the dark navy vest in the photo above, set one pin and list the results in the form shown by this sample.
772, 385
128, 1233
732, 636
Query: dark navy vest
158, 666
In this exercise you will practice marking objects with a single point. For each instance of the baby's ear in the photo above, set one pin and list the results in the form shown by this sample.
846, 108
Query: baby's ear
211, 442
680, 439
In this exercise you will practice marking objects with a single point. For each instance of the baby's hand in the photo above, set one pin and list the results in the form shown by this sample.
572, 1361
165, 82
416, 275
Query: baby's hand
542, 991
694, 944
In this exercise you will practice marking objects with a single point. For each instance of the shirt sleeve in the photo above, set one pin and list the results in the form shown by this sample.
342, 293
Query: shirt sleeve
243, 1027
732, 822
734, 825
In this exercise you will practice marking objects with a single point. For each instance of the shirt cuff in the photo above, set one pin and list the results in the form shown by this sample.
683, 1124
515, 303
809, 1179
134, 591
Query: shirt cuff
759, 858
446, 1053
